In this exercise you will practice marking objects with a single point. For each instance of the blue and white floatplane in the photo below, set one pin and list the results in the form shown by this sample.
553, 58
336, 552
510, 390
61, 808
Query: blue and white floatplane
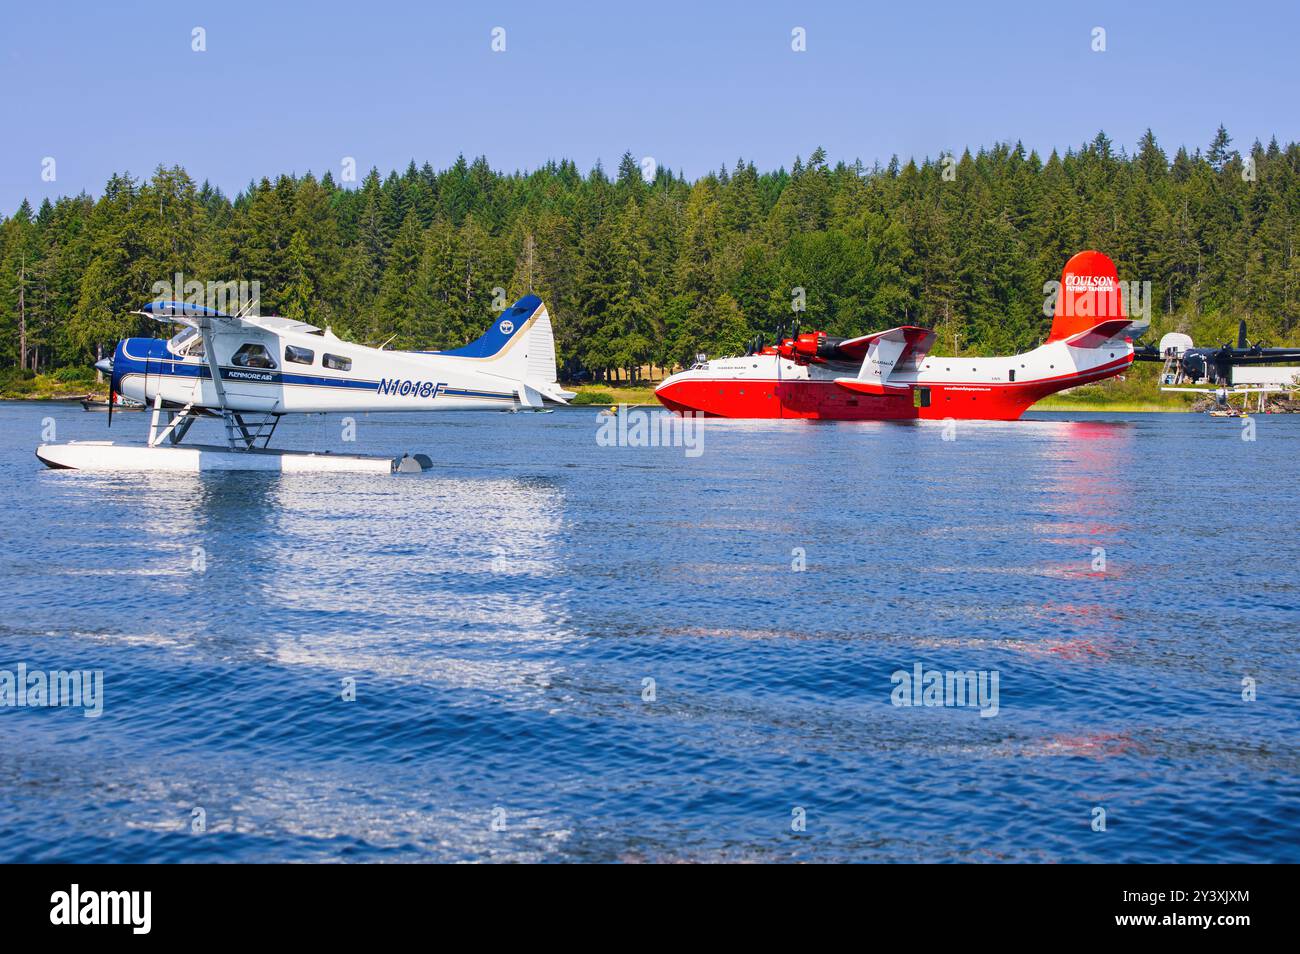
251, 370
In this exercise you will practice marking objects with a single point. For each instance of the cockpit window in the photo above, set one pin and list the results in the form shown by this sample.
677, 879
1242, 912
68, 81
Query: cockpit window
187, 343
253, 356
299, 355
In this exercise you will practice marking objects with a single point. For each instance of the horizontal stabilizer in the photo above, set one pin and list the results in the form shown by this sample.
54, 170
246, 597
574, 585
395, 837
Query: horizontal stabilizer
918, 340
529, 397
1098, 334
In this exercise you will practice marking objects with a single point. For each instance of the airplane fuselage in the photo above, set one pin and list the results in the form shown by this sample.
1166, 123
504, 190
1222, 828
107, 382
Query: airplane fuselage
768, 385
276, 366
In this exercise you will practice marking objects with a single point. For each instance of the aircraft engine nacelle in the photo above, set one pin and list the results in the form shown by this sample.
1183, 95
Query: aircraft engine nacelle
815, 347
806, 346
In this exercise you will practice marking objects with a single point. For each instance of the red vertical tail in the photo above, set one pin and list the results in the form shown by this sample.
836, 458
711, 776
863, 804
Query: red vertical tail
1089, 296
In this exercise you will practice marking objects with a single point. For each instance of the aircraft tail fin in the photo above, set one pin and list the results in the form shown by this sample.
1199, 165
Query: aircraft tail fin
520, 346
493, 343
1090, 304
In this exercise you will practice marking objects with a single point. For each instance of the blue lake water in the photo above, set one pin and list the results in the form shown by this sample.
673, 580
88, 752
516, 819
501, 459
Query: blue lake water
500, 616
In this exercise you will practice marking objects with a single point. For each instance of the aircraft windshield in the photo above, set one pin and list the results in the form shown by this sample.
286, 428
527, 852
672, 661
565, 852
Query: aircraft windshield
187, 342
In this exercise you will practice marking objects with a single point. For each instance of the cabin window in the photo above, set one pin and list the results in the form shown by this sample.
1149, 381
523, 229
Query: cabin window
299, 355
253, 356
920, 397
1011, 375
335, 363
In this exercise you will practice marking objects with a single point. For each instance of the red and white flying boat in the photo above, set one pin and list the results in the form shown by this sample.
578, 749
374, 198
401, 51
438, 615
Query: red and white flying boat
890, 375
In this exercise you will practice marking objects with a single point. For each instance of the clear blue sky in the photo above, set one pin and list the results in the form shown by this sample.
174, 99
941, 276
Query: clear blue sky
115, 86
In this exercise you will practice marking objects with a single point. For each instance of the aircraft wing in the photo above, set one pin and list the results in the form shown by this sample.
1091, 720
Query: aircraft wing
1256, 356
1230, 389
918, 343
183, 313
534, 394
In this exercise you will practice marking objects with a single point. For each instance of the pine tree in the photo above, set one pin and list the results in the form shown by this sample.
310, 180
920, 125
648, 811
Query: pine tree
397, 298
1219, 154
597, 288
631, 306
300, 291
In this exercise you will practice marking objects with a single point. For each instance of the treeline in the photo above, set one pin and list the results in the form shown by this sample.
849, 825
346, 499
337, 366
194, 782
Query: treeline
649, 273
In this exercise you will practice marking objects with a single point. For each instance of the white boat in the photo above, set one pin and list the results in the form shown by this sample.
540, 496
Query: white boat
118, 404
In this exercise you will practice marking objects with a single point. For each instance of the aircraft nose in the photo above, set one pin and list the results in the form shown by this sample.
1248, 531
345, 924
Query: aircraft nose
105, 365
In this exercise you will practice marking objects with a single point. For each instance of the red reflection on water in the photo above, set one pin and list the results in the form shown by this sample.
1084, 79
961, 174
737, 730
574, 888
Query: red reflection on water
1084, 612
1096, 745
1072, 571
1075, 649
1097, 453
1097, 430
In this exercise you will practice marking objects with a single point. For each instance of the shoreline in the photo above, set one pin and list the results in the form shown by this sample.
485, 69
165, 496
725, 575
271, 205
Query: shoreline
53, 398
